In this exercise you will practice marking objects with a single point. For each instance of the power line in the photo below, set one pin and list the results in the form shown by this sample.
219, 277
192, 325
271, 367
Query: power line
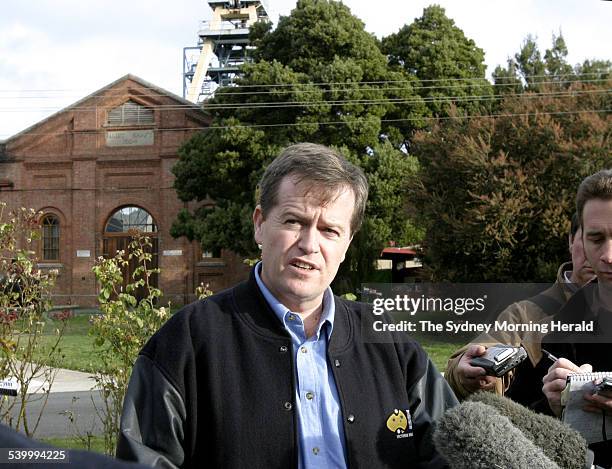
431, 80
351, 122
562, 80
301, 91
339, 102
228, 91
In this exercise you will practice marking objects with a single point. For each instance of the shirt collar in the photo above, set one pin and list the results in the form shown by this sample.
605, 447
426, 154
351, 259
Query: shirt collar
283, 313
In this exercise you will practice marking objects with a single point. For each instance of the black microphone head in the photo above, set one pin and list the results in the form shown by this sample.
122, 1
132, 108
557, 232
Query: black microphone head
474, 435
560, 443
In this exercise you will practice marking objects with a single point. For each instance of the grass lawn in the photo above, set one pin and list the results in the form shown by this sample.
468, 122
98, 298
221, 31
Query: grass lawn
439, 352
96, 443
77, 350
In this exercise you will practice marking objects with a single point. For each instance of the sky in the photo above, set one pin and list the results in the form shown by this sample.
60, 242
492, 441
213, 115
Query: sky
55, 52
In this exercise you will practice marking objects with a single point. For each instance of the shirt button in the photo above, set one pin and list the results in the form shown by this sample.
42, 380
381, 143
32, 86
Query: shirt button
288, 405
337, 363
291, 317
350, 418
283, 349
304, 350
309, 396
315, 450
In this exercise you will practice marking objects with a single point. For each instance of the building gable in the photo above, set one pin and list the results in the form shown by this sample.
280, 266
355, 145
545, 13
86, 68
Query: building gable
128, 113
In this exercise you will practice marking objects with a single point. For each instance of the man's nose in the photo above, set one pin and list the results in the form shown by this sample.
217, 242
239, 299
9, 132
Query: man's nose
607, 252
309, 239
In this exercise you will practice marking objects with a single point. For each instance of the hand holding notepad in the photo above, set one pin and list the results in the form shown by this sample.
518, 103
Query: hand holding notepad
594, 426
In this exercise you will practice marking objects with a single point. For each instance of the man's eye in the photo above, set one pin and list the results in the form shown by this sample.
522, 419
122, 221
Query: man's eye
332, 231
596, 240
291, 221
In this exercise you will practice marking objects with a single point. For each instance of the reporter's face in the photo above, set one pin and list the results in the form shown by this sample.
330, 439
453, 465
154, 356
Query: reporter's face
597, 237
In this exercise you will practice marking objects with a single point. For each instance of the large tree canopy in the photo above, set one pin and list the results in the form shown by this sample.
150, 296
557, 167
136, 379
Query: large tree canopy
449, 65
497, 193
318, 77
494, 193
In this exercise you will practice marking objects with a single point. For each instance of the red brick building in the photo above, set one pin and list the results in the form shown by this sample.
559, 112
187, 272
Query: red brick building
101, 167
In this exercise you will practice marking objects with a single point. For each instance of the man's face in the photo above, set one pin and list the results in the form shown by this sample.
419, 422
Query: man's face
303, 240
597, 236
581, 269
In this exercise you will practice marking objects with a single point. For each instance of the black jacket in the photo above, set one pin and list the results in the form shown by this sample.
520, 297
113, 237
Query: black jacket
215, 388
579, 348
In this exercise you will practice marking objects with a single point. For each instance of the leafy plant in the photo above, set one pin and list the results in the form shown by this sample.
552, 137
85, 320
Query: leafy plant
25, 360
130, 316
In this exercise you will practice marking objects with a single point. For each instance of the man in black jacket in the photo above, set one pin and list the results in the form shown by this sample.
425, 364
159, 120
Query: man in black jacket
276, 372
591, 303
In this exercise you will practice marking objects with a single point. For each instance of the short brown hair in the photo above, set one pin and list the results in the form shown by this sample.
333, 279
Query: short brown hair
321, 166
595, 186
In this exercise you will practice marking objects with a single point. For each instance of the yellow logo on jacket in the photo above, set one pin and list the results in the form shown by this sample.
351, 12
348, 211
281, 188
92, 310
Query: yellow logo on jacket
400, 423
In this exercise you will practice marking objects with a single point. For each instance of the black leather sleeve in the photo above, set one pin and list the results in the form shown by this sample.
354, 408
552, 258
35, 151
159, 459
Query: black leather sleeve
152, 422
433, 396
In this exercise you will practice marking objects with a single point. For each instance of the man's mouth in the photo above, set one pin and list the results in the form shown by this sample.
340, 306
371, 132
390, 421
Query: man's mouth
302, 265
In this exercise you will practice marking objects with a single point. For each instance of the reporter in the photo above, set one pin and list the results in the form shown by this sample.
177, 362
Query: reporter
461, 376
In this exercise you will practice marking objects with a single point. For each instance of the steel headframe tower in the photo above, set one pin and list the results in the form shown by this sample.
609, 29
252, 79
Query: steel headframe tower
222, 47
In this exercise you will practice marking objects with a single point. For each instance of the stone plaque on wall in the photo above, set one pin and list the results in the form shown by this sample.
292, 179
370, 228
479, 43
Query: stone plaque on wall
129, 138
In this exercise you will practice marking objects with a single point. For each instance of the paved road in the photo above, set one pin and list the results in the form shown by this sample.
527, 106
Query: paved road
71, 392
55, 420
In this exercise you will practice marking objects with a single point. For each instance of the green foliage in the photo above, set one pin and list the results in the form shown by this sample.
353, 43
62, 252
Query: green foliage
126, 323
316, 34
318, 77
24, 291
594, 70
449, 65
497, 194
528, 70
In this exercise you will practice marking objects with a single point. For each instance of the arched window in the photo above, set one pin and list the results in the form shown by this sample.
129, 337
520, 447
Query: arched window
130, 218
50, 238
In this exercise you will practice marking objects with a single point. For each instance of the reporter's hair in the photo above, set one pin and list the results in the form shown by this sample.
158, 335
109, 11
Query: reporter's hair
324, 169
595, 186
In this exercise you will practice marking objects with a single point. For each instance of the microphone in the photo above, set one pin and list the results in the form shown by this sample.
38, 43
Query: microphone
474, 435
559, 442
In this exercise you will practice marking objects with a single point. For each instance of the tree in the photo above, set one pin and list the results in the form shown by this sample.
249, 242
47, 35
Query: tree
528, 70
593, 70
319, 77
449, 65
497, 193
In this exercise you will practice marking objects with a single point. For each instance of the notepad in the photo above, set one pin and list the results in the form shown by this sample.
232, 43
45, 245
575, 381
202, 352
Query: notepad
589, 424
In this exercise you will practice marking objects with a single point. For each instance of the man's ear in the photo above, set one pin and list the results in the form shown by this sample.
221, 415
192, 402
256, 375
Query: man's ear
257, 221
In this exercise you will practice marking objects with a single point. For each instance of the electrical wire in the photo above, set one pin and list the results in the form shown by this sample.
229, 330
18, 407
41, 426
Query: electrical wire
339, 102
344, 122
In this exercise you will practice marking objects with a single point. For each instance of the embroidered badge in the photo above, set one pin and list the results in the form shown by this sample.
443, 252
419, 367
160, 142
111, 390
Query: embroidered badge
400, 423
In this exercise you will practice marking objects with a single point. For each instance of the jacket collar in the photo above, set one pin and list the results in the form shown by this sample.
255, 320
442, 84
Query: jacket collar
253, 308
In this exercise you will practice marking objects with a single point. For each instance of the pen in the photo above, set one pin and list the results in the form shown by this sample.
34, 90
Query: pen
550, 355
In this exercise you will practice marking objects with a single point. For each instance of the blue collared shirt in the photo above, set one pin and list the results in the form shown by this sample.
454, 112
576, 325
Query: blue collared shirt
321, 441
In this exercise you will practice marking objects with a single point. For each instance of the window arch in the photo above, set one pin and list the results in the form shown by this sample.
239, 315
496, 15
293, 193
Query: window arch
130, 218
50, 237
